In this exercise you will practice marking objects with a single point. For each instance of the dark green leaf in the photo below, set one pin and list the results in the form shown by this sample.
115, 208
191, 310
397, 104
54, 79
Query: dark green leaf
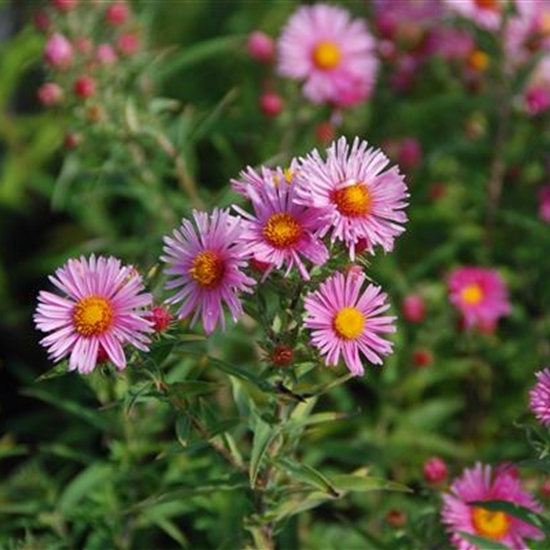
306, 474
264, 434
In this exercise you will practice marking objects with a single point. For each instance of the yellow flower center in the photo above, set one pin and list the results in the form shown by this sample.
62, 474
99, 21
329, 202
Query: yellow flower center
92, 315
349, 323
492, 525
478, 60
282, 230
352, 201
493, 5
288, 175
472, 294
207, 269
326, 55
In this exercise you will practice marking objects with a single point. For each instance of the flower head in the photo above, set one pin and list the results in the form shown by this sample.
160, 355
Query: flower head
101, 308
280, 231
58, 51
435, 470
205, 260
331, 52
347, 322
358, 199
485, 13
481, 484
480, 294
539, 401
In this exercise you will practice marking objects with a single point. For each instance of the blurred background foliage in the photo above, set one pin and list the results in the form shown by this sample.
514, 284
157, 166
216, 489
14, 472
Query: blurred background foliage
88, 464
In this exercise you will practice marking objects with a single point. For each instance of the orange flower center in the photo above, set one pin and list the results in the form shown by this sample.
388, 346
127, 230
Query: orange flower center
492, 525
492, 5
352, 201
472, 294
478, 60
349, 323
207, 269
326, 55
282, 230
92, 315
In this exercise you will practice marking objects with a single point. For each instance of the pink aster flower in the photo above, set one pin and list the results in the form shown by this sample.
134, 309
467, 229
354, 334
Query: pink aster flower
281, 231
485, 13
539, 401
101, 308
481, 484
206, 261
358, 199
331, 52
480, 294
250, 178
347, 322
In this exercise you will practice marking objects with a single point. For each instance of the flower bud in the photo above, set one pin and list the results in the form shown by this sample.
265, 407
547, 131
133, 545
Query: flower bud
58, 51
117, 14
72, 140
41, 21
84, 87
282, 355
537, 100
106, 55
396, 518
50, 94
128, 43
435, 471
413, 308
271, 104
261, 47
422, 357
160, 317
410, 154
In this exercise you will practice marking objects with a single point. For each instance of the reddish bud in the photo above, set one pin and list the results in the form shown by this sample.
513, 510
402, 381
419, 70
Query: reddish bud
271, 104
83, 45
117, 14
487, 326
545, 488
410, 154
72, 140
58, 51
50, 94
436, 191
64, 5
128, 43
396, 518
435, 471
160, 317
102, 356
361, 245
324, 132
422, 357
260, 266
261, 47
41, 21
282, 355
413, 308
355, 271
84, 87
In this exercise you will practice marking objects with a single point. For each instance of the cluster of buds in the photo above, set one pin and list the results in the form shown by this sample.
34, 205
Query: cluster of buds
80, 66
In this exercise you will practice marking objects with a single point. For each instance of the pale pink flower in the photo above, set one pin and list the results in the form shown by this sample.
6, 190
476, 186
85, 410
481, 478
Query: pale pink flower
58, 51
205, 260
347, 322
481, 484
322, 46
280, 231
358, 199
101, 308
480, 294
486, 14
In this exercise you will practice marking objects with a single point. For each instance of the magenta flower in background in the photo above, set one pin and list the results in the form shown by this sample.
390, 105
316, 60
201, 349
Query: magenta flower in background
481, 484
537, 90
331, 52
480, 294
356, 196
435, 470
539, 401
205, 261
347, 322
544, 203
485, 13
101, 309
58, 51
280, 231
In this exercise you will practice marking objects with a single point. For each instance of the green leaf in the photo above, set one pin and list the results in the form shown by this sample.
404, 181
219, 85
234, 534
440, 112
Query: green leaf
264, 434
92, 417
195, 54
480, 542
183, 428
513, 509
292, 507
306, 474
191, 388
91, 478
363, 484
239, 372
538, 464
58, 370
